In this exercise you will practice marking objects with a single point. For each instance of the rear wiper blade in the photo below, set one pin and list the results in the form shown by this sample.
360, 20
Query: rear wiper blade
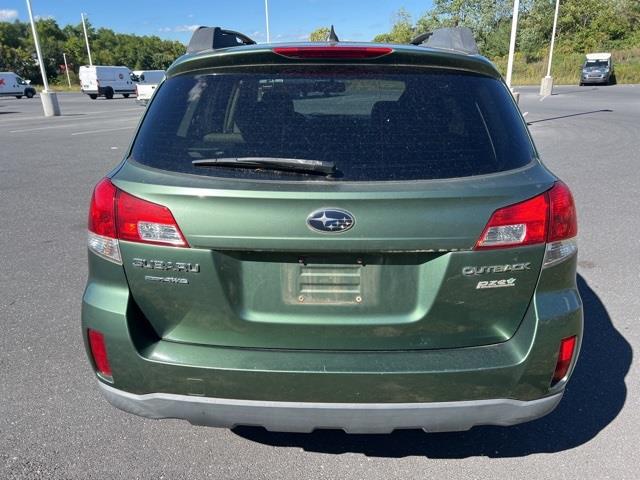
271, 163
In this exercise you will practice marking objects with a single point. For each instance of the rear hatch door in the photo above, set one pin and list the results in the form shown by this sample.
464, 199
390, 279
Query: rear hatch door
423, 158
404, 277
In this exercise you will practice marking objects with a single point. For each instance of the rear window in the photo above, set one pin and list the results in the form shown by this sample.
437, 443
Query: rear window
374, 125
597, 63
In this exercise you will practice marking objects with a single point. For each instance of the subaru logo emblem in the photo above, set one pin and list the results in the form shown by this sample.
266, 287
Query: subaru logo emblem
330, 220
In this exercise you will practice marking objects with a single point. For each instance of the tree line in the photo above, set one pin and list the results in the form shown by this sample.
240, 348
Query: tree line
17, 50
583, 25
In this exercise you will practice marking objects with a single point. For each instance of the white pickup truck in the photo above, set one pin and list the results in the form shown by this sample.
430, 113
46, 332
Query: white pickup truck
146, 83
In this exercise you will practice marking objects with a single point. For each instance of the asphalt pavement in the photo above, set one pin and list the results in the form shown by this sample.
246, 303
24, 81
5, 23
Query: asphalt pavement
54, 423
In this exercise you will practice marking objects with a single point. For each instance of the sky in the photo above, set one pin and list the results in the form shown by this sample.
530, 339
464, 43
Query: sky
290, 20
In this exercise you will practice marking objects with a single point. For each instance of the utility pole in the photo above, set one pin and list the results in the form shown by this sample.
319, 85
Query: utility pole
49, 99
86, 39
512, 42
546, 87
266, 16
66, 68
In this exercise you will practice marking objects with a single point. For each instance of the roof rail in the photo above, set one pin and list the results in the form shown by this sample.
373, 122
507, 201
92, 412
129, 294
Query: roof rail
207, 38
459, 39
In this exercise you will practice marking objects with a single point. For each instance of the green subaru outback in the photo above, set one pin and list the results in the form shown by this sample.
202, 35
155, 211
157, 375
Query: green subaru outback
333, 235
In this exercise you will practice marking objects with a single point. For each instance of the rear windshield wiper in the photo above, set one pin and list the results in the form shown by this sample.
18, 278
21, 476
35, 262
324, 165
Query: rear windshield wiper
271, 163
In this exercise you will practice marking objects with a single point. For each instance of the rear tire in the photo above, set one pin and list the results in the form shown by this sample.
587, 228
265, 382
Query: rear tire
18, 97
93, 96
108, 93
125, 95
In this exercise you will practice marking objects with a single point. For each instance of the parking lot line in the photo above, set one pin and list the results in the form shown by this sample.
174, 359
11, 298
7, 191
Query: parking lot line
88, 132
70, 116
69, 125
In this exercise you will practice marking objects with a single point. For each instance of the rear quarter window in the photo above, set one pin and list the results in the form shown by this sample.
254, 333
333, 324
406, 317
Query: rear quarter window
373, 124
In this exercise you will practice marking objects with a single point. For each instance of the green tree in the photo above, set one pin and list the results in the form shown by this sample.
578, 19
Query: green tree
320, 34
17, 50
402, 31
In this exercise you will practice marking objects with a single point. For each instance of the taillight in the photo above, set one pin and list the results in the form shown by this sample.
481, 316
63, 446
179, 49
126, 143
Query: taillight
565, 356
101, 218
563, 226
102, 222
563, 222
547, 218
116, 215
331, 52
145, 222
524, 223
99, 353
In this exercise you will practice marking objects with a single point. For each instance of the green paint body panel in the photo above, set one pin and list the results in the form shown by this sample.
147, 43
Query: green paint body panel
267, 281
519, 368
381, 313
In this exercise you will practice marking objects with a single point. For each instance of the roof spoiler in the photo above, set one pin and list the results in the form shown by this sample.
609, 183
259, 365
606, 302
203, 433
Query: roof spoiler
459, 39
207, 38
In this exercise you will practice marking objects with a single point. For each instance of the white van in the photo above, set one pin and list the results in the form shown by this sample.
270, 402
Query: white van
598, 68
101, 80
147, 82
12, 85
148, 76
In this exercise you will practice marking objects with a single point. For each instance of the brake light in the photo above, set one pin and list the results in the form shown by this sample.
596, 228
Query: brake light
101, 218
565, 356
116, 215
563, 222
98, 350
145, 222
563, 226
524, 223
102, 222
547, 218
332, 52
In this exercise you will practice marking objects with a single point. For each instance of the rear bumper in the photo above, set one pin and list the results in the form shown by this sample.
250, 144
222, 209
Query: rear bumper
100, 91
350, 417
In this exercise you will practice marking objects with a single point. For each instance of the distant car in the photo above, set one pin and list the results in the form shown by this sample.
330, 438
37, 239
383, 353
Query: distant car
146, 82
391, 255
598, 69
12, 85
106, 81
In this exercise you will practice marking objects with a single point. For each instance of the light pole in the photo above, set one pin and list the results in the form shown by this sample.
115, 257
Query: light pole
66, 69
49, 99
546, 87
512, 43
266, 17
86, 39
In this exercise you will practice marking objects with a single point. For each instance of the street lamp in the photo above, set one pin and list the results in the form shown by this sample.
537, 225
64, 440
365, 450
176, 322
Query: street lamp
512, 45
546, 87
266, 17
86, 39
66, 68
49, 99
